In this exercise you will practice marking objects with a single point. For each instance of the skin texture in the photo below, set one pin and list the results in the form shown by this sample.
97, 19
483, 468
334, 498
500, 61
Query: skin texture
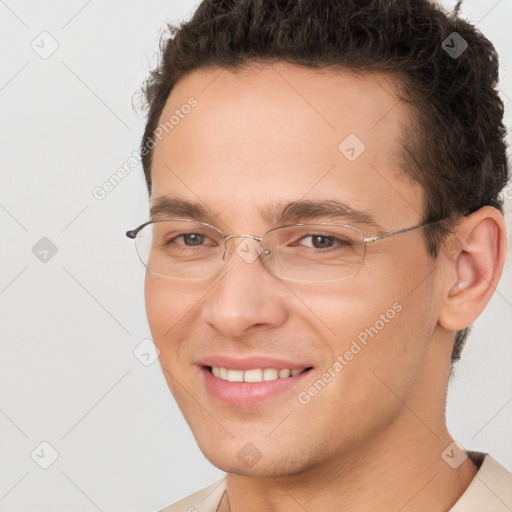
373, 437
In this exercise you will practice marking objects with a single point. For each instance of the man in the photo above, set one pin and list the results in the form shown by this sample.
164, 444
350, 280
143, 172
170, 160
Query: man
325, 227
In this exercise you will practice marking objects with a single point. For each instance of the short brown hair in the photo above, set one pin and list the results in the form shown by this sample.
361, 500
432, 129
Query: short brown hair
456, 150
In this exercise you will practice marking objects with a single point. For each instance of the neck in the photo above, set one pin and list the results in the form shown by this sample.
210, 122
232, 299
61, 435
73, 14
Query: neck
400, 469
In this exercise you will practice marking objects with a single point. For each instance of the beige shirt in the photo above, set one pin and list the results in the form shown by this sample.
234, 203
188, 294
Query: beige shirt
489, 491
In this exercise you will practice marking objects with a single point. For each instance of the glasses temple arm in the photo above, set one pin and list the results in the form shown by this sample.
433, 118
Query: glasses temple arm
397, 231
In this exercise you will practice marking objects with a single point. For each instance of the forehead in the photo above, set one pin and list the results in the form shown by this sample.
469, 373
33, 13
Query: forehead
280, 132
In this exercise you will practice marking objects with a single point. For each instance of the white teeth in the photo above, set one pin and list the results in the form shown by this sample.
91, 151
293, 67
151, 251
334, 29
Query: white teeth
254, 375
235, 375
270, 374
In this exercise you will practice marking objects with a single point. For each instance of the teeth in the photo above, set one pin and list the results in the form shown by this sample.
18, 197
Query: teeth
270, 374
254, 375
235, 375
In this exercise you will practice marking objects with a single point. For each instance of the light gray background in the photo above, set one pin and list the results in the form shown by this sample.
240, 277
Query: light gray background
68, 375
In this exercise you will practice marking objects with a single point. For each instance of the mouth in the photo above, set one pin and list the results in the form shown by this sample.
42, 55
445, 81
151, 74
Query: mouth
255, 374
253, 386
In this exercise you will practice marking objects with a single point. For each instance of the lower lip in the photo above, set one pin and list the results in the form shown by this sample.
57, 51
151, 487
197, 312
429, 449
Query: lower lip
248, 393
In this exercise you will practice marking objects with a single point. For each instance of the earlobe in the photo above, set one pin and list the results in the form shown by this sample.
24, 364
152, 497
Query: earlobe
475, 267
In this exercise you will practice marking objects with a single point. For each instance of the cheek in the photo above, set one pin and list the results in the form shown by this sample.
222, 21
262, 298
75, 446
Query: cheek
158, 299
170, 310
378, 318
379, 344
169, 307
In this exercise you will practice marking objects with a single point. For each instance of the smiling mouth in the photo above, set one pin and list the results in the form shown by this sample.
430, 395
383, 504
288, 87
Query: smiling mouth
255, 374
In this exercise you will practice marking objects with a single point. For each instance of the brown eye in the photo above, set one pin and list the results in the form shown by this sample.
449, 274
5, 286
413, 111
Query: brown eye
191, 239
321, 241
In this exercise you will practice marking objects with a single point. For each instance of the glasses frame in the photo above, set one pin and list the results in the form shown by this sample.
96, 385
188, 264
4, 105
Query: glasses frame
132, 234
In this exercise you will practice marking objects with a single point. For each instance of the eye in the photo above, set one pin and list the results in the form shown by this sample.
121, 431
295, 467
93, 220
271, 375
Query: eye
190, 239
319, 241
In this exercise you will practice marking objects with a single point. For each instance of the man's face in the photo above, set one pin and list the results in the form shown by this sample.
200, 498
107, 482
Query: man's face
258, 140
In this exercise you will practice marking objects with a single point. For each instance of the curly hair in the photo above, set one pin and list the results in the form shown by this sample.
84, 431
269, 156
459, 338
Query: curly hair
456, 145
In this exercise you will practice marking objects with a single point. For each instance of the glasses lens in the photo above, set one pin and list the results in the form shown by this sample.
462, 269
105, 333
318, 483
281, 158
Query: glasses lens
315, 252
180, 248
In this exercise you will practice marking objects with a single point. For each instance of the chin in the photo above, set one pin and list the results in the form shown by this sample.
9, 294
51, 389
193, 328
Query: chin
249, 461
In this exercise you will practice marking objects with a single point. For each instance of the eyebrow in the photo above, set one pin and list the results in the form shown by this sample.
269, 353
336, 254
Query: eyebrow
274, 215
299, 211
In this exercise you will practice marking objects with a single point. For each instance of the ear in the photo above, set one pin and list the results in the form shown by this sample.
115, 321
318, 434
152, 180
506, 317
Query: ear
474, 266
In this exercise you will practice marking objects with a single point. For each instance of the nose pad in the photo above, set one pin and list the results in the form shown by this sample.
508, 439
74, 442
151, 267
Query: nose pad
227, 254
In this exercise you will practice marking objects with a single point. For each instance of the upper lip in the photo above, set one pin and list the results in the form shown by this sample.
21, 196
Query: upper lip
250, 363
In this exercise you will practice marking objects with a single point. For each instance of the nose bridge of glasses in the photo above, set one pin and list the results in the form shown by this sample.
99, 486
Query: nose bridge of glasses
247, 251
254, 237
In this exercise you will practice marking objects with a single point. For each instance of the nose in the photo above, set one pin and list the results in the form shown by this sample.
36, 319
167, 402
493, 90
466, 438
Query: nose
246, 296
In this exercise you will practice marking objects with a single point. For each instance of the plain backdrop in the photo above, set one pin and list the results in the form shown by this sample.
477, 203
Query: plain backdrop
73, 374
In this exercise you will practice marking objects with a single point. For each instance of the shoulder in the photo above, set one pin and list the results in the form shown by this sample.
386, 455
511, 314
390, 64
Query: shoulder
489, 491
205, 500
